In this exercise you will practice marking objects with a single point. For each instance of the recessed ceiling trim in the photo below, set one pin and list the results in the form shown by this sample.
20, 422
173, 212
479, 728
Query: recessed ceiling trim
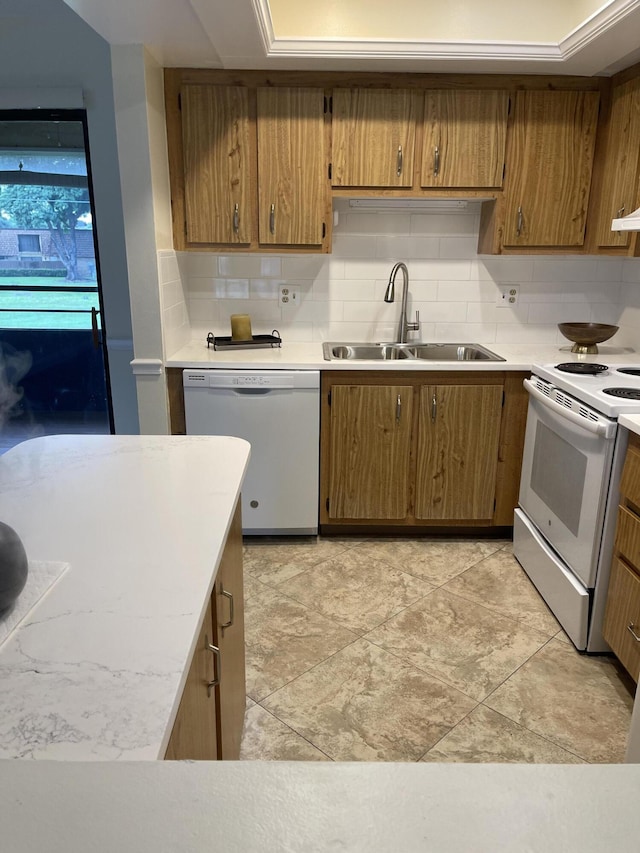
609, 16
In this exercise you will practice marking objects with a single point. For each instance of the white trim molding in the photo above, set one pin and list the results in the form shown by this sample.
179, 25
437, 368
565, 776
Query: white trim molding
147, 366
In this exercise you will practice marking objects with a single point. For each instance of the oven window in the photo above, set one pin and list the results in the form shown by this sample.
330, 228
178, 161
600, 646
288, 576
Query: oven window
557, 476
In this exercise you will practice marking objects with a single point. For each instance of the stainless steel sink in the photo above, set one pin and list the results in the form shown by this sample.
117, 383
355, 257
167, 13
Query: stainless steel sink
418, 351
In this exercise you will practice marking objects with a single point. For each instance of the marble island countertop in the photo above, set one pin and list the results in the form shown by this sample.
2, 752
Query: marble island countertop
96, 669
301, 356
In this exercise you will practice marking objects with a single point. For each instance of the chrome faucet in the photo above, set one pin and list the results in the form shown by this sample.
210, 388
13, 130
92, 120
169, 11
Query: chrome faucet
404, 325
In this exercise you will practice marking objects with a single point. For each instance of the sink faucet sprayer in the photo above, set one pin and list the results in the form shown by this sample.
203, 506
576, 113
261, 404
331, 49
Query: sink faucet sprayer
403, 324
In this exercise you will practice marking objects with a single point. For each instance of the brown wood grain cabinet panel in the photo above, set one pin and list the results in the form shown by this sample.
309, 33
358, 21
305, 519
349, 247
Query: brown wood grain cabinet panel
630, 482
293, 178
622, 611
217, 173
618, 190
464, 138
229, 622
194, 733
373, 137
628, 537
511, 446
369, 452
457, 455
549, 164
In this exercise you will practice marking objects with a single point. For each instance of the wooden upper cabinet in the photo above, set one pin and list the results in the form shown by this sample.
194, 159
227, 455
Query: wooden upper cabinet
457, 454
369, 452
464, 138
549, 164
619, 180
217, 172
293, 184
373, 137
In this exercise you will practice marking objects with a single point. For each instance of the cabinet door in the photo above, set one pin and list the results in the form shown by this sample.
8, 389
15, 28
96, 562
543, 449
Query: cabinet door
369, 451
619, 189
464, 138
194, 734
622, 611
292, 166
217, 174
373, 137
229, 620
549, 165
457, 452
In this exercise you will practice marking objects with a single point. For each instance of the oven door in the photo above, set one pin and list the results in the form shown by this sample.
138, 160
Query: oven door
565, 477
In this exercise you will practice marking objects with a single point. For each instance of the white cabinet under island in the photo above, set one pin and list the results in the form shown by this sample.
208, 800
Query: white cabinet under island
150, 529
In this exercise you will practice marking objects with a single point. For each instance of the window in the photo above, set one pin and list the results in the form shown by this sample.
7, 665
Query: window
29, 243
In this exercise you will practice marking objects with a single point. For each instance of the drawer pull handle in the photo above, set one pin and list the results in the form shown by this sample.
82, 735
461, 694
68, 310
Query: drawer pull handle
216, 654
228, 595
630, 628
398, 408
436, 162
434, 409
236, 219
399, 161
520, 222
272, 219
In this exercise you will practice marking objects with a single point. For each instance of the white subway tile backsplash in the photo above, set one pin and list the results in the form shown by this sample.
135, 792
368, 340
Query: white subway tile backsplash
455, 290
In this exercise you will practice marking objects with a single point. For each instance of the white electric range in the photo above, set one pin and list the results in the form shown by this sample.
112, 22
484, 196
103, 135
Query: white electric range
564, 527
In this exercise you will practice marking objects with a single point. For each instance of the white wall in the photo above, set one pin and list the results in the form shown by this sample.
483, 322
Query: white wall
43, 44
453, 287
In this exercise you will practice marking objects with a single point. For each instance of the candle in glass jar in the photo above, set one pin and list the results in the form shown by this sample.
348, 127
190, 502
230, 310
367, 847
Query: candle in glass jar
240, 327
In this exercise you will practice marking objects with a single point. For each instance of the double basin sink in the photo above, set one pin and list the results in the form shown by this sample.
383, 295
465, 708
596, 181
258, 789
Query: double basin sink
409, 352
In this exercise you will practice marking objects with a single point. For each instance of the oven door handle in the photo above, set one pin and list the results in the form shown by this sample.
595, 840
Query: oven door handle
606, 430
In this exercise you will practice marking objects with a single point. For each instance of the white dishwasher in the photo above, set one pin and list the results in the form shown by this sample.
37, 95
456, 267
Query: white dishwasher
278, 413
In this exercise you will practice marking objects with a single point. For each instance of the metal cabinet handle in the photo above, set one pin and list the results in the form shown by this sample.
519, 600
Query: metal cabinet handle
520, 222
216, 654
434, 408
399, 161
398, 409
436, 161
272, 219
236, 219
630, 628
228, 595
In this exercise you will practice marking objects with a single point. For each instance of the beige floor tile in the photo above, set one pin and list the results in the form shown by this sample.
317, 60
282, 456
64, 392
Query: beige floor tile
265, 738
363, 704
434, 560
274, 560
252, 586
582, 703
459, 641
500, 584
486, 737
283, 639
356, 590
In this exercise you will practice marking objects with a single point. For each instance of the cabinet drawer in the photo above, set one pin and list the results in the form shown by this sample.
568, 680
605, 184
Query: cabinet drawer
628, 536
623, 610
630, 483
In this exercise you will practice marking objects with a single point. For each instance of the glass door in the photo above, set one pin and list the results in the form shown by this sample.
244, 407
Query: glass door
53, 360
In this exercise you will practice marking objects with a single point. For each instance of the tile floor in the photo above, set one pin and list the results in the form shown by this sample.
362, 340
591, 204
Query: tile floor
398, 649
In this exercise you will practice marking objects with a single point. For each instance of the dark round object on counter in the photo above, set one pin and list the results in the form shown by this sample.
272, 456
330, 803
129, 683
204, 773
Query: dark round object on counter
14, 566
587, 334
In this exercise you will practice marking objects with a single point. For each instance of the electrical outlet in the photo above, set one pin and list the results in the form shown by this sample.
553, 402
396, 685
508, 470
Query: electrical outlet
289, 296
508, 294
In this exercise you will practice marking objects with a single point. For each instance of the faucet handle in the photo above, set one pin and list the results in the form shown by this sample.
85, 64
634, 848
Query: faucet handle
415, 326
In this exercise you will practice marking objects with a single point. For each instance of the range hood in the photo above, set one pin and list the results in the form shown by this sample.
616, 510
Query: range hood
631, 222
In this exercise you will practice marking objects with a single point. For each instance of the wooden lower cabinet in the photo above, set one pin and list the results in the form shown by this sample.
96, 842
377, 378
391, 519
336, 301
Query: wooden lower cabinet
431, 449
621, 628
209, 721
457, 451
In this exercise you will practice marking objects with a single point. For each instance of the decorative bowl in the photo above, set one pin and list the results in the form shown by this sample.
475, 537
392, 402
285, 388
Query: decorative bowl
586, 335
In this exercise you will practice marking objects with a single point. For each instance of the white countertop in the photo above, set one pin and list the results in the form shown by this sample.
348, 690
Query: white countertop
301, 356
306, 807
96, 669
630, 422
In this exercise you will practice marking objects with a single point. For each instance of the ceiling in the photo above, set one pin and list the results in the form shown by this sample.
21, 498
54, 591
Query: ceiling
581, 37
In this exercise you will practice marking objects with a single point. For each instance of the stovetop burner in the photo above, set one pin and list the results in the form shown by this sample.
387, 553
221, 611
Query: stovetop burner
581, 367
630, 371
624, 393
